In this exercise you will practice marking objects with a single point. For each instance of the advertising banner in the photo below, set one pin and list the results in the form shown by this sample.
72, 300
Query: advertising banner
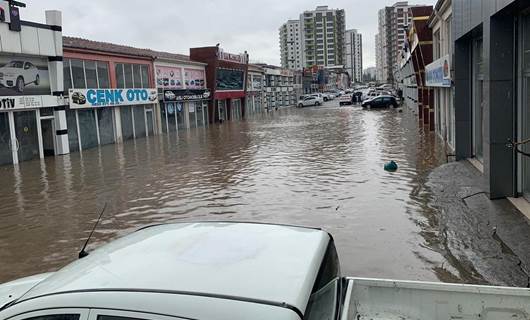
97, 98
186, 95
194, 78
20, 102
24, 76
168, 77
438, 73
229, 79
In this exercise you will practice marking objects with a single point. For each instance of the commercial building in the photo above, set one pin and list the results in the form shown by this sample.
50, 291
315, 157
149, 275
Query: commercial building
439, 73
310, 80
410, 75
183, 97
492, 91
255, 89
32, 116
353, 50
290, 45
393, 22
111, 93
322, 37
279, 87
226, 75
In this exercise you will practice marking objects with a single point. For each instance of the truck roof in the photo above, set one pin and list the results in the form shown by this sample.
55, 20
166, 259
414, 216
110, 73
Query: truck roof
261, 263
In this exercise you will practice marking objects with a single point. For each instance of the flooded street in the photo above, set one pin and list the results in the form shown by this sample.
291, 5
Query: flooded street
314, 166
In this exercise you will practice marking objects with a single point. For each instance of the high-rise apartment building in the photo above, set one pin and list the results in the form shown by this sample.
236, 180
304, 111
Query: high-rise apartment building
290, 48
392, 37
322, 37
378, 59
353, 51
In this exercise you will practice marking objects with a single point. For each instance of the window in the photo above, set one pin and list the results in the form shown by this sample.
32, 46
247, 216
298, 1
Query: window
91, 74
103, 74
67, 75
78, 74
56, 317
128, 71
120, 80
137, 76
116, 318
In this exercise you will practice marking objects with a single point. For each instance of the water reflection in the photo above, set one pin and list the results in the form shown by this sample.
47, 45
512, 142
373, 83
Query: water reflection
316, 166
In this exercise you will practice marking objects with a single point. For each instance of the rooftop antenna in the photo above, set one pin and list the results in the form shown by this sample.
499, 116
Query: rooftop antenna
83, 253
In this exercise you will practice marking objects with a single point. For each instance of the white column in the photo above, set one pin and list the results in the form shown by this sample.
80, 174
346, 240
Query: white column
14, 141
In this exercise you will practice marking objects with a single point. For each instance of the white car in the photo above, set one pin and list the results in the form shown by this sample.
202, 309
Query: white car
18, 74
346, 99
310, 100
238, 271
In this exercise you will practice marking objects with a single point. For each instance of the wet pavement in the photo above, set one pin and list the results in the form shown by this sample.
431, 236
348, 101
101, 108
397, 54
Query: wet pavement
313, 166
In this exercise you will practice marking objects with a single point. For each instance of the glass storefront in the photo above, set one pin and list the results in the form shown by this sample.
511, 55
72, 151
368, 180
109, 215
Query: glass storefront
106, 125
87, 129
180, 112
524, 121
27, 135
478, 100
126, 123
192, 114
71, 122
221, 110
139, 121
6, 155
171, 111
150, 122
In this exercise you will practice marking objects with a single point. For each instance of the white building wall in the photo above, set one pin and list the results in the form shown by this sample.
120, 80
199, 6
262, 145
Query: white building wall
290, 45
353, 55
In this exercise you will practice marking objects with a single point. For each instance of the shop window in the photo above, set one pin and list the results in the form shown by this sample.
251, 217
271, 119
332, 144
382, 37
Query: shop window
67, 76
526, 42
103, 74
180, 115
72, 130
78, 74
120, 79
137, 76
139, 121
127, 131
6, 156
87, 128
91, 74
144, 69
192, 114
150, 122
171, 117
163, 116
128, 73
106, 125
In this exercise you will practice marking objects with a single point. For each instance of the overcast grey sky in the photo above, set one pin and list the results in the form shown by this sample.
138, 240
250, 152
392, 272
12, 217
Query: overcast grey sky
177, 25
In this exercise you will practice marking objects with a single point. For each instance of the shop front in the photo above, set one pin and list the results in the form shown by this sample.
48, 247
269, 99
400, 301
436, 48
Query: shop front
182, 92
32, 119
226, 76
111, 96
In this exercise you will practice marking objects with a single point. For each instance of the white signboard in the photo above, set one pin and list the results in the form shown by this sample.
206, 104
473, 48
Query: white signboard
438, 73
20, 102
98, 98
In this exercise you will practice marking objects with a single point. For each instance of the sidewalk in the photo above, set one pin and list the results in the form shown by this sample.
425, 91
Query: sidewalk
486, 241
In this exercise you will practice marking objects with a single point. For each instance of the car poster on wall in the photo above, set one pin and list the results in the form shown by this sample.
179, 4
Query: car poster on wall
169, 77
228, 79
24, 76
194, 78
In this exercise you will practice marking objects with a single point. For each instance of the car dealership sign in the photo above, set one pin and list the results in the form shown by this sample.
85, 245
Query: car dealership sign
186, 95
438, 73
95, 98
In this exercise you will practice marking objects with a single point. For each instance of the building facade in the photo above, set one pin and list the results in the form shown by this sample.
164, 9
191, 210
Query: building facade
439, 73
353, 50
410, 76
182, 94
112, 96
322, 37
255, 89
393, 25
32, 115
290, 45
492, 90
226, 75
279, 87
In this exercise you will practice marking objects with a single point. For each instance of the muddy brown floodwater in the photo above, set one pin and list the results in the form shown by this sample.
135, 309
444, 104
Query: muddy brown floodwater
314, 166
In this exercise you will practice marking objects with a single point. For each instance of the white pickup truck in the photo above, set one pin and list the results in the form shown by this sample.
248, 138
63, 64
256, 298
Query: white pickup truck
239, 271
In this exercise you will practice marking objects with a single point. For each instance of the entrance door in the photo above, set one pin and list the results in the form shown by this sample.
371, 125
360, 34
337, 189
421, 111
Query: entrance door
48, 137
478, 100
6, 153
524, 109
221, 110
27, 135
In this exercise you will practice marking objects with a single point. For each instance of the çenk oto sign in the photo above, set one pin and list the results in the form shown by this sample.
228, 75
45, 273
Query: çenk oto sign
95, 98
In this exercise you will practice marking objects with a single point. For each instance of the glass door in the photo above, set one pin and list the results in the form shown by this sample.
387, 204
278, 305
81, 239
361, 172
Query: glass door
27, 135
221, 110
48, 137
478, 101
150, 122
6, 153
524, 109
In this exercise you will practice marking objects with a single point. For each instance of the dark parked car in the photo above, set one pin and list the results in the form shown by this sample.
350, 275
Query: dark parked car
383, 101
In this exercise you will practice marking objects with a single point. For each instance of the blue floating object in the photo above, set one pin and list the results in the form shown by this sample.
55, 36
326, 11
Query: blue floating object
391, 166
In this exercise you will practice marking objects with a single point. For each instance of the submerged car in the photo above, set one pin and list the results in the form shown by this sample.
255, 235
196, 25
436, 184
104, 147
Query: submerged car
18, 74
382, 101
238, 271
310, 100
